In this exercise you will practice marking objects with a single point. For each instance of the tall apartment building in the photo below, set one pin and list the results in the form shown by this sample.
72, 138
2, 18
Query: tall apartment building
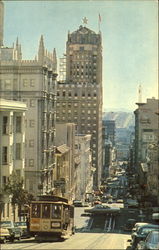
12, 148
34, 83
146, 147
79, 98
146, 127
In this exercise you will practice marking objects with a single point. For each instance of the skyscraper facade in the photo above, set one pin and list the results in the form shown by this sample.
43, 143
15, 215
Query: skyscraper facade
79, 98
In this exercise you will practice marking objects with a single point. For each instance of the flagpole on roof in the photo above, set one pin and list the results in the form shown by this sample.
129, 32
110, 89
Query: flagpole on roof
99, 21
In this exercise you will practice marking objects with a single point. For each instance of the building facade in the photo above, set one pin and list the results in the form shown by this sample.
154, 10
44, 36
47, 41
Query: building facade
34, 83
84, 172
65, 135
146, 147
79, 98
12, 148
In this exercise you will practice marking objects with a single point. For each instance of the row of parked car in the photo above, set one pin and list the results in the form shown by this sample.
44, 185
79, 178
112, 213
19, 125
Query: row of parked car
10, 231
145, 236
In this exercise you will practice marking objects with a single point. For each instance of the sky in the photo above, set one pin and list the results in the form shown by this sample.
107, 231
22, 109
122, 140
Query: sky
129, 39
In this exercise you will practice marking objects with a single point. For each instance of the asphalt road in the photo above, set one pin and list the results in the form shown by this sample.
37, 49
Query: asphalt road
77, 241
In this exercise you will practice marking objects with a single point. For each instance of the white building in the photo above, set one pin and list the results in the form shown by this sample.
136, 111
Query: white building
12, 146
84, 172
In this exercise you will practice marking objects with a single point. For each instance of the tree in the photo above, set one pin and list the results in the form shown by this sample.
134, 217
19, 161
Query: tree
15, 188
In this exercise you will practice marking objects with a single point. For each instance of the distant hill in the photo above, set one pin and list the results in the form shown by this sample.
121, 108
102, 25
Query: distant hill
122, 119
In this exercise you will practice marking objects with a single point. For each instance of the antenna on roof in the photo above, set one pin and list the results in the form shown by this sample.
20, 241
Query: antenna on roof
140, 94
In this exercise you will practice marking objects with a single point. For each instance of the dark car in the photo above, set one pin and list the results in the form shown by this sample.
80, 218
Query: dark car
141, 233
23, 226
14, 231
78, 203
151, 241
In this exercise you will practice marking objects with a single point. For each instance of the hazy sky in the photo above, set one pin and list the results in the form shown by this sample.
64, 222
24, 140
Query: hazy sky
129, 36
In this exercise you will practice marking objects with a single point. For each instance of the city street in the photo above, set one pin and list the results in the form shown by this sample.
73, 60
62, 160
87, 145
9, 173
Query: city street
78, 241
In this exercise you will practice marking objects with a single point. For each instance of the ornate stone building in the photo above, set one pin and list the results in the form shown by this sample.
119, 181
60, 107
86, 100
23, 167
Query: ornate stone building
79, 98
34, 83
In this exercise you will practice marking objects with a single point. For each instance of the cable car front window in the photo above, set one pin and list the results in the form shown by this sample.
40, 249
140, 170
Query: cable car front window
46, 211
56, 211
35, 211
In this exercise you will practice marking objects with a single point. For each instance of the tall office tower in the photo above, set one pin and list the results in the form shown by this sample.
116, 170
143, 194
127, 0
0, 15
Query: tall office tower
110, 130
1, 22
79, 98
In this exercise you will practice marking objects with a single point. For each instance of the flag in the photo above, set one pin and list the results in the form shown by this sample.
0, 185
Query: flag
100, 18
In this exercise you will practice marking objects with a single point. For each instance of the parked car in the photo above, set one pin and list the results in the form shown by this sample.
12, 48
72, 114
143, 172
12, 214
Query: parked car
78, 203
97, 203
119, 201
151, 241
4, 234
23, 226
138, 225
14, 231
141, 233
132, 203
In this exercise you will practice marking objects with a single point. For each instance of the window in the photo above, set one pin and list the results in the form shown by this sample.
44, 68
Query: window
25, 82
4, 155
56, 212
32, 83
4, 180
8, 84
31, 143
64, 94
18, 172
35, 210
31, 162
18, 124
5, 124
32, 123
32, 103
25, 100
18, 151
82, 48
46, 211
7, 209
